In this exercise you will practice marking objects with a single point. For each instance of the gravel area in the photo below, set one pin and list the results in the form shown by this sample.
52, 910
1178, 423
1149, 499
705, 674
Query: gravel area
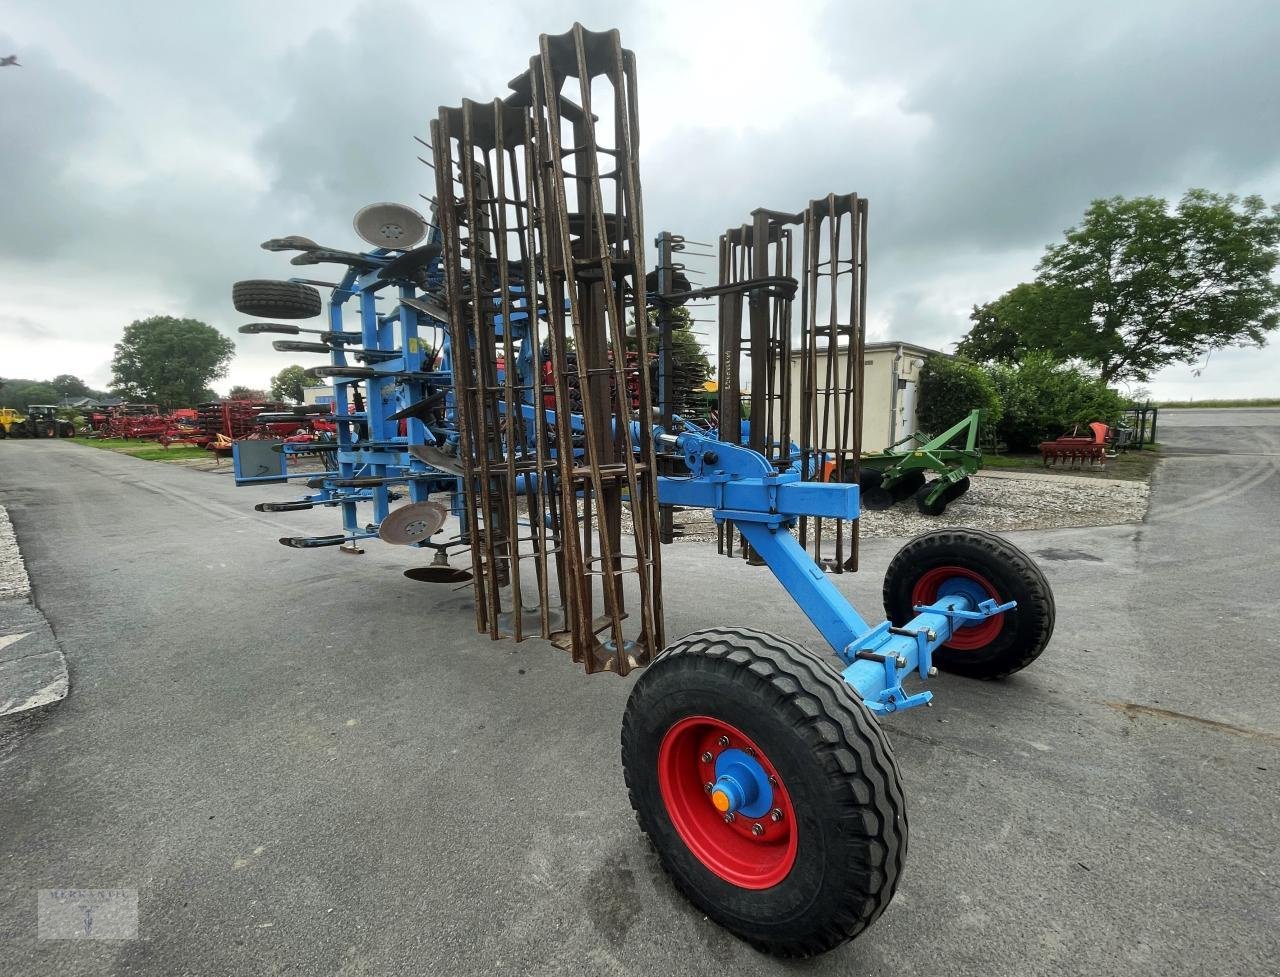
997, 503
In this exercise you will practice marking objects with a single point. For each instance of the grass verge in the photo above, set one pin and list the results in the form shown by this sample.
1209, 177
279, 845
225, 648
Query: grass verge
146, 450
1132, 465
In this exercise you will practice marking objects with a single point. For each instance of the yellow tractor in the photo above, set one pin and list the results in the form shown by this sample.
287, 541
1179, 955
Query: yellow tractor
40, 421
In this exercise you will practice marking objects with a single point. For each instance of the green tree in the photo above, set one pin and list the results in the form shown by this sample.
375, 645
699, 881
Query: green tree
1138, 286
241, 392
169, 361
288, 383
950, 387
69, 386
19, 393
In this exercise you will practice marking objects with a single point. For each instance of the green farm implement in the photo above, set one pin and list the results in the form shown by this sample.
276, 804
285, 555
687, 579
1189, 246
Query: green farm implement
901, 470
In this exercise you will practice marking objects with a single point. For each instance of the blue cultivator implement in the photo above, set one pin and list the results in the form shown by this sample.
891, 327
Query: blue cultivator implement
493, 364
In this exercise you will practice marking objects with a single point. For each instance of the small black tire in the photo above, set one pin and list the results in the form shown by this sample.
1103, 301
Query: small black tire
876, 499
1018, 636
938, 505
838, 782
267, 299
907, 485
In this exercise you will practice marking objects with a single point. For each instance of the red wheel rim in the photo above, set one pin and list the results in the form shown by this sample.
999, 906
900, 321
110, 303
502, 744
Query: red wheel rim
735, 850
971, 637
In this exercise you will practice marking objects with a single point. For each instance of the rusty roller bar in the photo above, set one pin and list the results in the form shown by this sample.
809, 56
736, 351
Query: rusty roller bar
482, 154
822, 414
760, 249
593, 264
832, 340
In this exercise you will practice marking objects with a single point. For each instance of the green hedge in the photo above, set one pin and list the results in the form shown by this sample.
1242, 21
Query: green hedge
1038, 400
950, 387
1044, 400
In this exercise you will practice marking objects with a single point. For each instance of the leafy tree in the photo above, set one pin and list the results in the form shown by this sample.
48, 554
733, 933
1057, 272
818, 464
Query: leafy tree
1042, 399
169, 361
19, 393
69, 386
288, 383
1137, 287
241, 392
950, 387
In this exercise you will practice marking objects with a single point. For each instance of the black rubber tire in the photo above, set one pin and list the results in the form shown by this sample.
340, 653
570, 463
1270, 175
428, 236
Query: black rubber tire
4, 432
876, 499
906, 486
959, 489
1014, 575
935, 508
830, 754
267, 299
66, 430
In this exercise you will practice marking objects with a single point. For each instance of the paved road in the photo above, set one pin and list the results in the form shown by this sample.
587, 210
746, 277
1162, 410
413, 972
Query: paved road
308, 764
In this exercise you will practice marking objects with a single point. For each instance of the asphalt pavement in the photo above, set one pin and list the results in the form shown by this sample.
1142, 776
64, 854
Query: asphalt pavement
306, 763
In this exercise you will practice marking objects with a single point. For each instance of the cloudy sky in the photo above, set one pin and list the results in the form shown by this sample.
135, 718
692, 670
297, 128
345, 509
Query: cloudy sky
149, 146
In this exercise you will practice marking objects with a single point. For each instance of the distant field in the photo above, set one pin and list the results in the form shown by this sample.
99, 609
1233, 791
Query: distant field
1186, 404
146, 450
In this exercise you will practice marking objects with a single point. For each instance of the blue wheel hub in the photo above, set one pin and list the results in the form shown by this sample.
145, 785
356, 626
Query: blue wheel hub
741, 786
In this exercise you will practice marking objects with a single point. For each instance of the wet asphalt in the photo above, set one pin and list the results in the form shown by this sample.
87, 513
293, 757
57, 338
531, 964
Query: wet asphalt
306, 763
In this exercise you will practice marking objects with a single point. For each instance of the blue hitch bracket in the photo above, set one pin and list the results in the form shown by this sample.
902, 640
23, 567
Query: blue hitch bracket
878, 661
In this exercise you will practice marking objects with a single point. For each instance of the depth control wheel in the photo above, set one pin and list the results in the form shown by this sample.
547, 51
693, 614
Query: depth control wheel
767, 789
980, 566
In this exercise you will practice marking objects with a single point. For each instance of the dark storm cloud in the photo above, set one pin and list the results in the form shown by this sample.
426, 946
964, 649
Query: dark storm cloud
148, 152
353, 108
1035, 111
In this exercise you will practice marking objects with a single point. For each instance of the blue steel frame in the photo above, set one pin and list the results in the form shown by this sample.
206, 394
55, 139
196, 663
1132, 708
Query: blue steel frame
740, 485
736, 483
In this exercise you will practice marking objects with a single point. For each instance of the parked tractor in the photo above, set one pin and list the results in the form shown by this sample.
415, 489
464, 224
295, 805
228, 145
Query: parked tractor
40, 421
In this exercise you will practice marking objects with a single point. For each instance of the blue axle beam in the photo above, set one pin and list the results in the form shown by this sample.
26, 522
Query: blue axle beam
741, 486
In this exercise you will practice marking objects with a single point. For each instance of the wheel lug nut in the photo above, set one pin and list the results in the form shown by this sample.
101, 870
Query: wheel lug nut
728, 818
776, 815
723, 741
773, 781
757, 829
706, 757
708, 786
750, 751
